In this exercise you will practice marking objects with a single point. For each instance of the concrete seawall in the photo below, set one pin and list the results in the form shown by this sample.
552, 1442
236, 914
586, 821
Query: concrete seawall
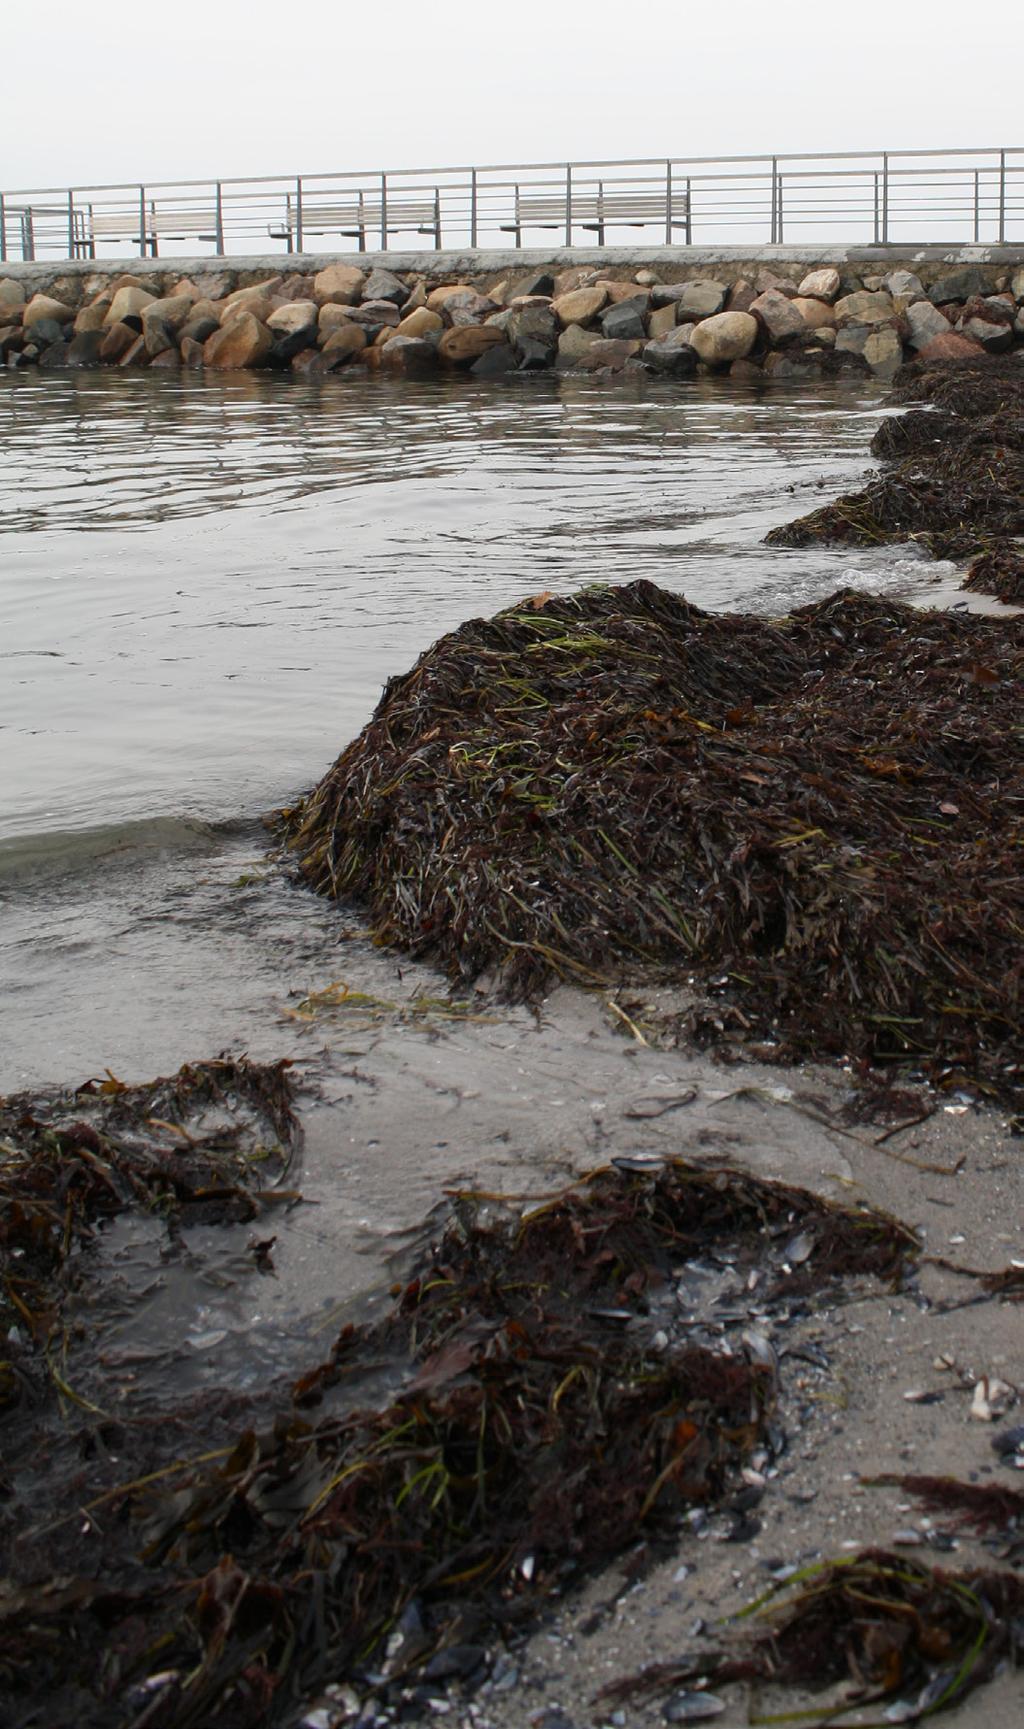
777, 311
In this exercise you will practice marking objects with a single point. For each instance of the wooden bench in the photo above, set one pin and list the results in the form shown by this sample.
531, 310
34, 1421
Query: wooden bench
171, 222
599, 210
356, 220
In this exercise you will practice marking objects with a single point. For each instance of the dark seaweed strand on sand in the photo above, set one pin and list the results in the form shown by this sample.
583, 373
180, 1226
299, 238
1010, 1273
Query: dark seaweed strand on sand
955, 480
822, 813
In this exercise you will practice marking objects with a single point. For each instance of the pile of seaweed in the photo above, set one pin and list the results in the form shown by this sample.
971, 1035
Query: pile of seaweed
557, 1406
955, 475
192, 1147
914, 1638
1000, 573
819, 817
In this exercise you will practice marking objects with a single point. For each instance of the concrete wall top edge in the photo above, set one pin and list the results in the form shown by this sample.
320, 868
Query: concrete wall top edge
449, 263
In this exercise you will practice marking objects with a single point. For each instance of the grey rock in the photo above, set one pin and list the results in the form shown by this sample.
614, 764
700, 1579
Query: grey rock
573, 342
410, 354
677, 359
959, 285
158, 336
994, 338
84, 349
623, 323
542, 283
701, 299
56, 354
198, 329
925, 322
780, 315
385, 285
667, 293
533, 332
289, 343
47, 331
904, 285
494, 362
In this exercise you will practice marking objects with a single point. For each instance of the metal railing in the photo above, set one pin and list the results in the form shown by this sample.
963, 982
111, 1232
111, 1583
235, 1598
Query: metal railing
880, 197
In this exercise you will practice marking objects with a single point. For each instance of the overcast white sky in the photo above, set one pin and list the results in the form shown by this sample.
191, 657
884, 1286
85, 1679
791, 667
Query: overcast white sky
246, 87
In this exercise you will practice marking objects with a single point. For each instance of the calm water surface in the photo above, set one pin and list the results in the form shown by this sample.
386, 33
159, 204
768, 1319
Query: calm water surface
204, 582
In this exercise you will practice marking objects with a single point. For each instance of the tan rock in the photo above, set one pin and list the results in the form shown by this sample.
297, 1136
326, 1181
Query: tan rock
581, 305
725, 336
185, 285
464, 343
420, 322
168, 359
468, 307
269, 285
821, 284
499, 293
661, 323
91, 317
814, 312
617, 291
12, 295
174, 311
191, 352
44, 306
334, 317
438, 297
573, 342
883, 352
779, 315
296, 315
342, 345
128, 302
249, 303
412, 354
244, 341
608, 352
339, 284
866, 307
117, 339
136, 355
417, 296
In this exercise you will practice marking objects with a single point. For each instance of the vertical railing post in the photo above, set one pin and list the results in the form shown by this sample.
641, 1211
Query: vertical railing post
220, 219
778, 210
885, 198
3, 230
977, 205
775, 199
689, 213
568, 204
1002, 196
877, 235
71, 223
384, 212
142, 220
298, 213
28, 235
668, 203
472, 208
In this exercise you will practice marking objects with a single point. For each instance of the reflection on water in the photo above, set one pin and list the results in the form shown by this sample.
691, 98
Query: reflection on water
206, 581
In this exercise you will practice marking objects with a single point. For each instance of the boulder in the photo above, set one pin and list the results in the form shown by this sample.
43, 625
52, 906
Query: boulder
904, 285
494, 362
574, 341
295, 315
667, 293
741, 297
128, 303
959, 285
198, 329
44, 306
951, 346
185, 286
541, 283
338, 285
288, 343
701, 299
779, 365
499, 320
243, 341
533, 332
191, 351
607, 353
409, 354
820, 284
334, 315
55, 354
91, 317
815, 313
925, 322
46, 331
385, 285
1017, 285
994, 338
417, 296
310, 363
853, 338
780, 316
174, 310
620, 291
678, 359
438, 297
419, 322
469, 307
12, 295
158, 337
465, 343
371, 314
117, 339
267, 285
343, 344
766, 279
168, 360
580, 305
883, 352
991, 307
518, 301
865, 307
211, 284
725, 336
745, 369
623, 322
249, 303
646, 278
11, 341
661, 322
135, 355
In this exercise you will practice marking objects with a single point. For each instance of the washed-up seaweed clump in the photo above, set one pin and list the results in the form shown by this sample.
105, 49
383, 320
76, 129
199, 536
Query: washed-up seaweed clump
1000, 573
193, 1147
955, 483
557, 1405
896, 1633
820, 816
